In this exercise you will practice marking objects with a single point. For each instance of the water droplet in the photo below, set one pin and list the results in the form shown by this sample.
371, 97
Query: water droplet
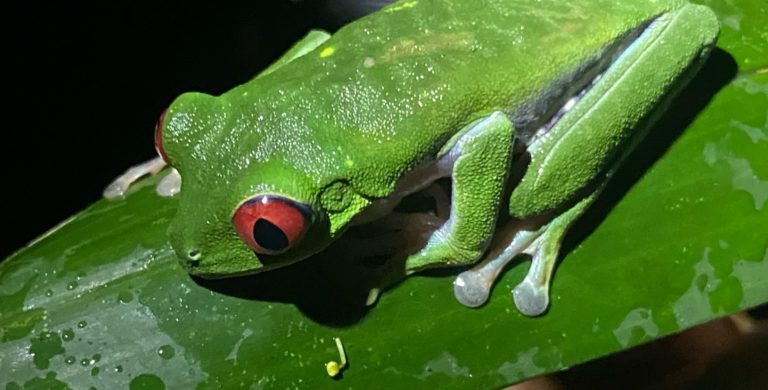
85, 362
82, 324
118, 368
49, 293
70, 360
44, 347
701, 282
124, 296
12, 386
148, 382
67, 334
166, 351
72, 285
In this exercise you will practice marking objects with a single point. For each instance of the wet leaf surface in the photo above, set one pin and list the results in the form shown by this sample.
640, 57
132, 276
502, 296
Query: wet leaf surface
678, 238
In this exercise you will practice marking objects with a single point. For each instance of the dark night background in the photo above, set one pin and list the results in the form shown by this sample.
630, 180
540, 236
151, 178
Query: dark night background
87, 83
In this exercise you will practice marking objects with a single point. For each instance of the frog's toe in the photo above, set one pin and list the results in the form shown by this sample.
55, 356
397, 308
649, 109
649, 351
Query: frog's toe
531, 299
119, 186
373, 296
170, 185
472, 288
116, 189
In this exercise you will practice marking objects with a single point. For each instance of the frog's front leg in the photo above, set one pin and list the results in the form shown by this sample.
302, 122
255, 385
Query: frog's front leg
117, 188
171, 183
479, 164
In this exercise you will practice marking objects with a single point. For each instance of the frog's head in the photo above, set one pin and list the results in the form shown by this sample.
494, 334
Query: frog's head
249, 201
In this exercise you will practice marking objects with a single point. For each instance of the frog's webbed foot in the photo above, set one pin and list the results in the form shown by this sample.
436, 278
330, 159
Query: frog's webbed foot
531, 296
473, 287
168, 186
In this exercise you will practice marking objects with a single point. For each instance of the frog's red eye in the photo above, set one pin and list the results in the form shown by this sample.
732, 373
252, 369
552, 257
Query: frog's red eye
159, 137
270, 224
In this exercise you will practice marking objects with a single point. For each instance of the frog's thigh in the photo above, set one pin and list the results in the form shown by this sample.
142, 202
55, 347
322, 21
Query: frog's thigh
480, 164
579, 150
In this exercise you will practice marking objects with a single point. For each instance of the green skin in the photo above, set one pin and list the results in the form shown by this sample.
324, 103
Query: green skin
339, 121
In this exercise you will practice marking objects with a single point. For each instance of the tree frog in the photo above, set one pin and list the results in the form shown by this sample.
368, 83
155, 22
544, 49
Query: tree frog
527, 106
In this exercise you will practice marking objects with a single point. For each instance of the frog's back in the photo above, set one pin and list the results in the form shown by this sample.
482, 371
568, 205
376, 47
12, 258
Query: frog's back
387, 91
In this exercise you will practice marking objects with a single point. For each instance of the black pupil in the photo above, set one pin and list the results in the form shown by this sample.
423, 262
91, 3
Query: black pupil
269, 236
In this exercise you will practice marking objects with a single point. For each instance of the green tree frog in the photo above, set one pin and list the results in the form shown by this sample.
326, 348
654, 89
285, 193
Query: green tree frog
527, 106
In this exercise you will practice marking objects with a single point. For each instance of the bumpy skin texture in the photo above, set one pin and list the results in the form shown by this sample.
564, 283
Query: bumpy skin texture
337, 127
481, 159
573, 154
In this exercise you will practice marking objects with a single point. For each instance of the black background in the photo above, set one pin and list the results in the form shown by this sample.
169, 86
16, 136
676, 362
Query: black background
85, 84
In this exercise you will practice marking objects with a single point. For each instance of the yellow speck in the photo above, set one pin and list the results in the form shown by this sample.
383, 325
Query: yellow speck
327, 52
333, 368
349, 163
407, 4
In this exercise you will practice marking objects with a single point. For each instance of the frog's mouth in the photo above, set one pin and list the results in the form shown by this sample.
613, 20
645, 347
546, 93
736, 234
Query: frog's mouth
536, 117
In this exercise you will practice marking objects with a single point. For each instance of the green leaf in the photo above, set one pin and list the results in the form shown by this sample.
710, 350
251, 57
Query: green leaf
678, 238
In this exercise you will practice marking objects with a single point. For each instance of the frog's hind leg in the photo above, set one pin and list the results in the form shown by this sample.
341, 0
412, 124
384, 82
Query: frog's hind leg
170, 184
531, 296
